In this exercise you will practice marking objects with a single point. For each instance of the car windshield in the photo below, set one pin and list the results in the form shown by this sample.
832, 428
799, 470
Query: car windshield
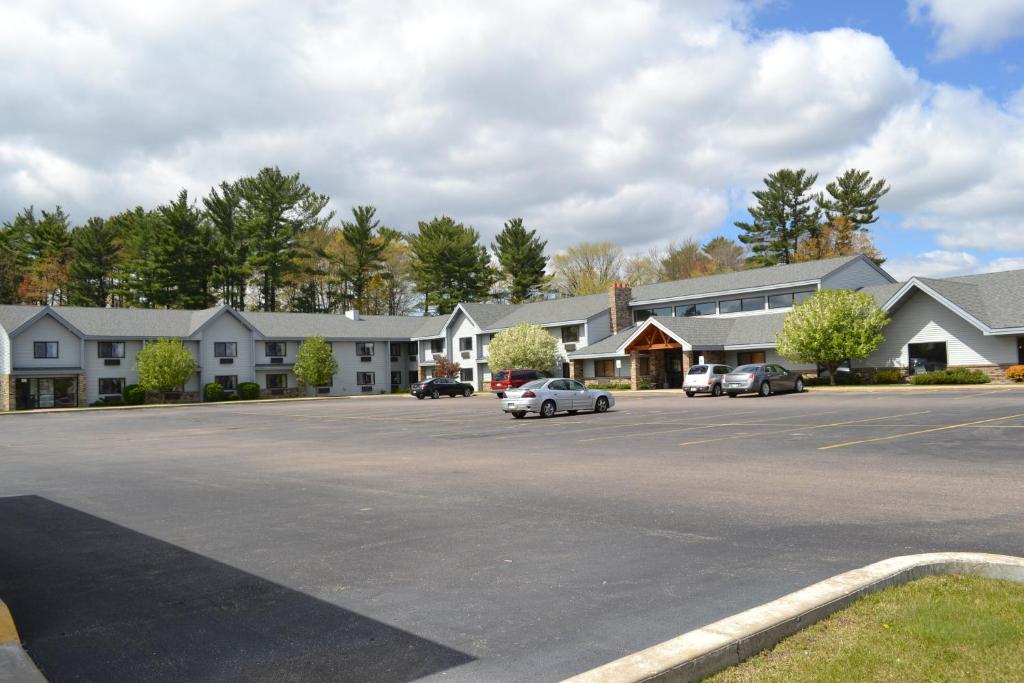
747, 368
698, 370
501, 375
535, 384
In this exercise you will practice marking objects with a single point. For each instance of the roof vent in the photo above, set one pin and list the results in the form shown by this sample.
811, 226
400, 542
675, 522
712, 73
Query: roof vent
352, 314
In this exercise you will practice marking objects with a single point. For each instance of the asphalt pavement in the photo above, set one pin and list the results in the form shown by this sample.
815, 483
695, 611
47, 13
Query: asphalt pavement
393, 539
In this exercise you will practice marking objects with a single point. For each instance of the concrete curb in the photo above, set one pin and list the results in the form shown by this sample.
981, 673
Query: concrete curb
897, 388
15, 664
725, 643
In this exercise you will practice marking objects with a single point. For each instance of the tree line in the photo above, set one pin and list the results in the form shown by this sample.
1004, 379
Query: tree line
269, 242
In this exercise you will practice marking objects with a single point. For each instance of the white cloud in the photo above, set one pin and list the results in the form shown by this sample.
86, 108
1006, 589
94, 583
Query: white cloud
940, 263
965, 26
640, 122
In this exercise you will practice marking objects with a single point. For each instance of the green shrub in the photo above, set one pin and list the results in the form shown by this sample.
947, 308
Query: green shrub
951, 376
1015, 373
843, 379
643, 383
888, 376
612, 386
248, 391
134, 395
213, 392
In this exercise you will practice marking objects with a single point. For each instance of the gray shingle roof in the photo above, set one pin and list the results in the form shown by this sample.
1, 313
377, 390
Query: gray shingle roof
552, 311
743, 279
12, 317
607, 345
116, 322
883, 293
702, 332
996, 299
485, 315
337, 326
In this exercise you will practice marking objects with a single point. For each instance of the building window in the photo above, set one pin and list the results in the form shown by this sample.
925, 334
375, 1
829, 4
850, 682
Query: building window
800, 297
437, 345
110, 386
277, 349
413, 377
364, 348
690, 310
927, 356
229, 382
277, 381
396, 348
396, 379
110, 350
604, 368
466, 374
570, 334
364, 378
45, 350
465, 343
780, 300
748, 357
225, 349
642, 314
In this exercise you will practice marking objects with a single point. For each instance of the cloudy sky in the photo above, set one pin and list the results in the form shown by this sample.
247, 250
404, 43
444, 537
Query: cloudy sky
637, 122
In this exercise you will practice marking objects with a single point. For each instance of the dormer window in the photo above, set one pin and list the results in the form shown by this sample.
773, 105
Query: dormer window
45, 349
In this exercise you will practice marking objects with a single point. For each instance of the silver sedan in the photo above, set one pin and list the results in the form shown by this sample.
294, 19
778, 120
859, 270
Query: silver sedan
764, 379
549, 396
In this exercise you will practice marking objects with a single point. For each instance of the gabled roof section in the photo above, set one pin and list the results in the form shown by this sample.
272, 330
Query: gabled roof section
771, 276
552, 311
34, 313
992, 302
14, 316
334, 325
201, 319
609, 346
486, 315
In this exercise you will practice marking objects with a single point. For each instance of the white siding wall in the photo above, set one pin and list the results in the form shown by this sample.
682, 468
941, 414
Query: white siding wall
46, 329
349, 365
96, 369
599, 327
922, 319
291, 347
5, 352
226, 328
854, 275
464, 327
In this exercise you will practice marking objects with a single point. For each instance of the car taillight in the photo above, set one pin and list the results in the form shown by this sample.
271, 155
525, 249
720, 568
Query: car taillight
529, 394
750, 375
711, 380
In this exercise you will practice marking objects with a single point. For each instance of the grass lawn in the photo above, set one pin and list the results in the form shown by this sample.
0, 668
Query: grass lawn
940, 628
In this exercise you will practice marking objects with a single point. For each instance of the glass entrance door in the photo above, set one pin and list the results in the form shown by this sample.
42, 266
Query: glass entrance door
46, 392
1020, 350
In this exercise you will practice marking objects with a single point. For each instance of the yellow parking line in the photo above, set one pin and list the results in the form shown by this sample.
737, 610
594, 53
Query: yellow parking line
920, 431
792, 429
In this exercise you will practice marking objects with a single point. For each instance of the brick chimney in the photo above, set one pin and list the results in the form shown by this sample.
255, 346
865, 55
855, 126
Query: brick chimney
618, 303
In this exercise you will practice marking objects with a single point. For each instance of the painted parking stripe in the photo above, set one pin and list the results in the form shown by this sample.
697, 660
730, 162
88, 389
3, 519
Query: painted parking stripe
920, 431
791, 429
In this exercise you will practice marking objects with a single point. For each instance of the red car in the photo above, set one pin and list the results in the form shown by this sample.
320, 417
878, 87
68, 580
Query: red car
513, 379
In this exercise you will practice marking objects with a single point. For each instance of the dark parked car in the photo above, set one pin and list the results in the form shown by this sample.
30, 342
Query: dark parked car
441, 386
763, 379
513, 379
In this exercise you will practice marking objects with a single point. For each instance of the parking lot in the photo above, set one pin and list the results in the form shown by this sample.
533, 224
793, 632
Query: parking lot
392, 539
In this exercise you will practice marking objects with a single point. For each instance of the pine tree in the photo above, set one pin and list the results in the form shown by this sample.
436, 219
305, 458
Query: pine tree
231, 270
45, 245
13, 256
784, 215
95, 253
365, 252
142, 276
854, 197
520, 254
449, 264
185, 254
277, 210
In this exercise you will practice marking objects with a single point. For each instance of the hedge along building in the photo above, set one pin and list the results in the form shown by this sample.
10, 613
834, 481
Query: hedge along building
62, 356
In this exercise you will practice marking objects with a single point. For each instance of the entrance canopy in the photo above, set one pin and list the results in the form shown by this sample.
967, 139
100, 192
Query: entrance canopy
652, 338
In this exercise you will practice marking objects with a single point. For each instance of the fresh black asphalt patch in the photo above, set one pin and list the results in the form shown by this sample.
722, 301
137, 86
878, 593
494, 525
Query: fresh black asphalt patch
389, 539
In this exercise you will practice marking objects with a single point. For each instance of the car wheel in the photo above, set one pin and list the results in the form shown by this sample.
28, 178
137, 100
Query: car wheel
467, 392
420, 396
519, 414
799, 386
435, 394
547, 409
731, 394
689, 394
765, 389
601, 406
716, 390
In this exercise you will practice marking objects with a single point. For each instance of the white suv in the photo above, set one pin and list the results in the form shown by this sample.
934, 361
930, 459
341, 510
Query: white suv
705, 378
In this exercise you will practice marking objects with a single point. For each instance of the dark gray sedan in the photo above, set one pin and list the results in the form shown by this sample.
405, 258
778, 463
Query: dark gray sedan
764, 379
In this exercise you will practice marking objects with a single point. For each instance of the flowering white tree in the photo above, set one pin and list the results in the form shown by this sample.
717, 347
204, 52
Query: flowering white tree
523, 346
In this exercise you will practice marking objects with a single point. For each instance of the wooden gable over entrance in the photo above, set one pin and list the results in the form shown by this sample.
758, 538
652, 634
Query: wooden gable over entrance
653, 338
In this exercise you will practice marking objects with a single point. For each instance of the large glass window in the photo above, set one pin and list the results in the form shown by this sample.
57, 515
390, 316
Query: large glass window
110, 350
45, 349
229, 382
604, 368
730, 306
277, 349
780, 300
641, 314
364, 348
437, 345
690, 310
749, 357
277, 381
225, 349
110, 386
571, 334
465, 343
927, 356
364, 378
754, 303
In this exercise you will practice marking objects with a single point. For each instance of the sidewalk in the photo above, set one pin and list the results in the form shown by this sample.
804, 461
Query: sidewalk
15, 664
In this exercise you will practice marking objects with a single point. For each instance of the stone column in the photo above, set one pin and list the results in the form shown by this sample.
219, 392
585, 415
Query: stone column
422, 372
6, 393
688, 361
634, 370
576, 370
81, 391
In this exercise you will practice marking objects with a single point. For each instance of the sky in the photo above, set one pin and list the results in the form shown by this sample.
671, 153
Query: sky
642, 123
